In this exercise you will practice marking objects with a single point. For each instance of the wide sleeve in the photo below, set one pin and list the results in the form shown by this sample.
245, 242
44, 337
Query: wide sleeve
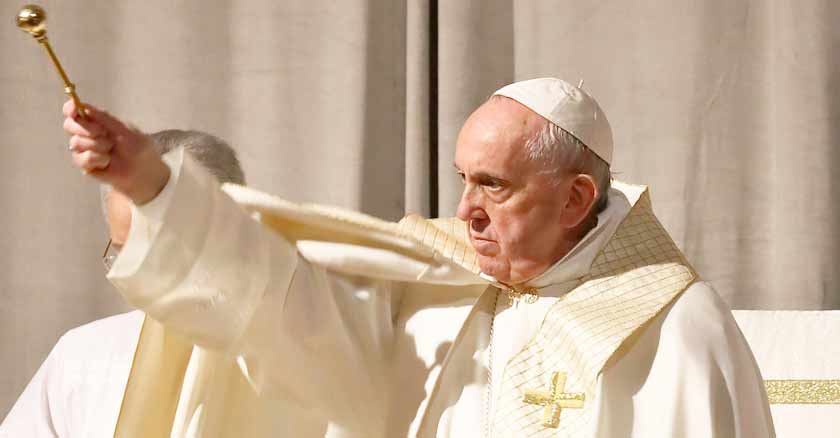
295, 330
200, 264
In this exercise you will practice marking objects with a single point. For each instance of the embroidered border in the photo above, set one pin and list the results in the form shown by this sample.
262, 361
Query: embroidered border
816, 392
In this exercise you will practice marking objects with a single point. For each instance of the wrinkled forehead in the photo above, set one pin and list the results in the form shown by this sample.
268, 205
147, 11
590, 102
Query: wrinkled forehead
508, 114
499, 129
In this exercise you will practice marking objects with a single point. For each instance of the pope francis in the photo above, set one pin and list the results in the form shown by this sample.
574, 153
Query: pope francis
555, 305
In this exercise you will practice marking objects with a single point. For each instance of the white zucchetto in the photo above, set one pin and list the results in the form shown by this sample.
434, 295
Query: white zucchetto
568, 107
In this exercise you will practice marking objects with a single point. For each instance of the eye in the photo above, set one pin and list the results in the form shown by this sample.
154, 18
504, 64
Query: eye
492, 184
463, 177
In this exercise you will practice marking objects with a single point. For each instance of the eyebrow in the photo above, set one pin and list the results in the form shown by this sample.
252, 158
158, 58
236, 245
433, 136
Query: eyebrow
481, 176
484, 176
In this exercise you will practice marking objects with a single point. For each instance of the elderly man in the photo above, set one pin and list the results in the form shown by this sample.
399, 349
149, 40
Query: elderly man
556, 306
78, 390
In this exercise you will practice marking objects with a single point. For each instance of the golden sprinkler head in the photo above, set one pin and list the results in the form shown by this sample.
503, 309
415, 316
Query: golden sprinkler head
32, 19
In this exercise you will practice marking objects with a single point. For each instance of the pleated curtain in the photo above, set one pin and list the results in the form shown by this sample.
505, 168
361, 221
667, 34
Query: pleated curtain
728, 109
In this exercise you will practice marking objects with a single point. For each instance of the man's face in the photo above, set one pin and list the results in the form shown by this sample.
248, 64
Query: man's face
513, 206
118, 212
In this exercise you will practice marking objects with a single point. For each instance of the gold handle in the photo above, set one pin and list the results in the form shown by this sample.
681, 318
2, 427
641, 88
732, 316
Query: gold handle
33, 20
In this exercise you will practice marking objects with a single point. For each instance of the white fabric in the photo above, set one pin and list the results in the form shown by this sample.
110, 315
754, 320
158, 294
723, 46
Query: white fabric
145, 226
689, 374
78, 390
568, 107
365, 349
797, 345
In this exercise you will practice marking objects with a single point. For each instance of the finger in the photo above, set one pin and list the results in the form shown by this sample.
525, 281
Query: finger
89, 160
69, 108
102, 145
85, 128
111, 124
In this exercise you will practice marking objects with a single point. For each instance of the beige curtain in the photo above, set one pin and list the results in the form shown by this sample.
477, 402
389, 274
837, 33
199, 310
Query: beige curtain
728, 109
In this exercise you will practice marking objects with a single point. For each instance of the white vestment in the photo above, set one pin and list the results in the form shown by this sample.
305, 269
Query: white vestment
381, 342
78, 390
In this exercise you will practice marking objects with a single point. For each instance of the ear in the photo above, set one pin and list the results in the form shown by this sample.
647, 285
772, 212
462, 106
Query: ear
583, 191
118, 216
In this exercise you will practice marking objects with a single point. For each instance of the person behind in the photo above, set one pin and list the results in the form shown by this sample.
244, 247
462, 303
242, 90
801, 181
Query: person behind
554, 305
78, 390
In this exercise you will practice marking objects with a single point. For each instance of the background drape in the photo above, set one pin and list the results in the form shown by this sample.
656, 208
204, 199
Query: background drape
728, 109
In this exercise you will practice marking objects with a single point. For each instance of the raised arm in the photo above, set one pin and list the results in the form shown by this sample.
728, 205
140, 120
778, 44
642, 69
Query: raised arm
197, 262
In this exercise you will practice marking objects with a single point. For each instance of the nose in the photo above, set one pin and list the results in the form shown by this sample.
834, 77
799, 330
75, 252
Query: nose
470, 209
465, 205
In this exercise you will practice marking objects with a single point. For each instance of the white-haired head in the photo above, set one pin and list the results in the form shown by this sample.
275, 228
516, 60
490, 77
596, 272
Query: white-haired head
211, 152
534, 161
208, 150
577, 136
559, 152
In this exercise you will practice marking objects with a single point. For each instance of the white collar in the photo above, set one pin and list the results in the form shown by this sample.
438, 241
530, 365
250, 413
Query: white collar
577, 262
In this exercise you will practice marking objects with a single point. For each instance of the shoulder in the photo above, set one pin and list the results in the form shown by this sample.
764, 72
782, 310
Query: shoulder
699, 305
81, 373
114, 335
117, 326
699, 321
93, 358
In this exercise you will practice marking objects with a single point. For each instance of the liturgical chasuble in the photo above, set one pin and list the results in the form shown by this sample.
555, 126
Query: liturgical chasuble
389, 329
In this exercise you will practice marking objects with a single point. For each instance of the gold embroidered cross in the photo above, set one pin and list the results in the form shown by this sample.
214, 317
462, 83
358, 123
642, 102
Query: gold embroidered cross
554, 399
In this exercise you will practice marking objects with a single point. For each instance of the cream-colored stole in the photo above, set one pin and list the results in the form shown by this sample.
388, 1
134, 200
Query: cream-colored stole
154, 383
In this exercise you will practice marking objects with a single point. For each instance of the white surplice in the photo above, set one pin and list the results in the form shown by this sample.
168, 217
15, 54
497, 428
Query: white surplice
382, 344
78, 390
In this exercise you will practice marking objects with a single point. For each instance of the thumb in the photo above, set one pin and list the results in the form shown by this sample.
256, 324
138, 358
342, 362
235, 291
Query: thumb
116, 127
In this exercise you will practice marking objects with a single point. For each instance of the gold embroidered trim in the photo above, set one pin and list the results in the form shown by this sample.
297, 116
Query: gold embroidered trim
817, 392
529, 295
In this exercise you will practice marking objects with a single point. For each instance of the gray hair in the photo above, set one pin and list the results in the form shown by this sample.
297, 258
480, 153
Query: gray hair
209, 151
560, 151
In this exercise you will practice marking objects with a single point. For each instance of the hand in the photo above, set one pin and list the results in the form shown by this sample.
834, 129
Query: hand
113, 152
